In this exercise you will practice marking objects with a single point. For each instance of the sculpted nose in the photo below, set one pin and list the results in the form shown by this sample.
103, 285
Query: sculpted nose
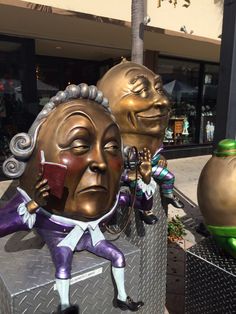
98, 163
99, 167
163, 100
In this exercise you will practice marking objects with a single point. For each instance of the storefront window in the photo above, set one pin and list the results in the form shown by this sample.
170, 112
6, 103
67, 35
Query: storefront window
18, 105
55, 74
48, 81
208, 109
11, 103
180, 81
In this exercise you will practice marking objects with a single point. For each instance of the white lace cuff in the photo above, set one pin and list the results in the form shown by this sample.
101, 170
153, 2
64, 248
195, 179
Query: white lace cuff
27, 218
148, 189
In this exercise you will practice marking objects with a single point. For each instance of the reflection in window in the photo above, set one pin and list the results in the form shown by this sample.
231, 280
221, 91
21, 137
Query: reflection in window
180, 81
55, 74
208, 109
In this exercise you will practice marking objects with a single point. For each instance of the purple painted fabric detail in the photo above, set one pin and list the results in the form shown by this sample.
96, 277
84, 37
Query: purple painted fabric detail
62, 256
157, 172
157, 152
168, 176
125, 177
167, 186
10, 220
53, 233
124, 199
143, 203
104, 249
43, 222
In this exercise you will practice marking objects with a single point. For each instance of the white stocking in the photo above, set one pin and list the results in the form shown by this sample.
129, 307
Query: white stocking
119, 277
63, 286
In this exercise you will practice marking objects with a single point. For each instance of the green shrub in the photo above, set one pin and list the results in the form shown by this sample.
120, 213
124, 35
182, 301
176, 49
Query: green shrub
176, 229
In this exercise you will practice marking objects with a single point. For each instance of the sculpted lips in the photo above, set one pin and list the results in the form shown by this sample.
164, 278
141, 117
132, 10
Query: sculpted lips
152, 114
94, 188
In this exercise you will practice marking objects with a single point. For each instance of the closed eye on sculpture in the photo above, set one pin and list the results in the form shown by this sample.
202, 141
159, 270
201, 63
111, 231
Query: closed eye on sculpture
80, 146
141, 89
158, 85
79, 139
112, 147
139, 85
160, 90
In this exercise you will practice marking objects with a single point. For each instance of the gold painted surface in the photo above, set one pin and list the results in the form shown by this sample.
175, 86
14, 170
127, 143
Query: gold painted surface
81, 135
217, 191
139, 104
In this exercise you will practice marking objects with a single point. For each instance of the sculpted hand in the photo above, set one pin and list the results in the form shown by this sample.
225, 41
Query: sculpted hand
162, 162
145, 167
41, 195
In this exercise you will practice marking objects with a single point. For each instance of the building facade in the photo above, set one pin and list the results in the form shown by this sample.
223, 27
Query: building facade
47, 44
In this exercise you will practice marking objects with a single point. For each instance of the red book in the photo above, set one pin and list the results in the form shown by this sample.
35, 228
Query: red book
55, 174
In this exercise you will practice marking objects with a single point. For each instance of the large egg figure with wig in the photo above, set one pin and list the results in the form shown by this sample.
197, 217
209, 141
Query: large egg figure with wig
217, 195
69, 166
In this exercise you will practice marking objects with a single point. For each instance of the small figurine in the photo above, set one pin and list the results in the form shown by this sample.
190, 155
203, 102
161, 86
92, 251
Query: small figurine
141, 108
69, 165
212, 131
185, 127
217, 195
208, 131
168, 135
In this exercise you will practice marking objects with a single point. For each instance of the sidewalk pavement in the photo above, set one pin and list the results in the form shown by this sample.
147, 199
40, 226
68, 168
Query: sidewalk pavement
187, 172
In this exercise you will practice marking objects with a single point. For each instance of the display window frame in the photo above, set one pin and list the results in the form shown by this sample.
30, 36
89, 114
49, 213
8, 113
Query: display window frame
199, 100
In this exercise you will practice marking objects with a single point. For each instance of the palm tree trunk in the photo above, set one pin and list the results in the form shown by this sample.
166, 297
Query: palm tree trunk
137, 18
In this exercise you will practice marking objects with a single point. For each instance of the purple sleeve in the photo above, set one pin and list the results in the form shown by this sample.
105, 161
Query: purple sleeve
10, 220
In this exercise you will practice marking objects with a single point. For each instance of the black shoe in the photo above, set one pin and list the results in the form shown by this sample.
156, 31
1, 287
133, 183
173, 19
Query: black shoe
174, 201
148, 217
73, 309
129, 304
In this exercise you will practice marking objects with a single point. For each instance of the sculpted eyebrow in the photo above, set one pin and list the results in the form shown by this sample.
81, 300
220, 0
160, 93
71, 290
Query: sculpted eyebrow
74, 133
140, 77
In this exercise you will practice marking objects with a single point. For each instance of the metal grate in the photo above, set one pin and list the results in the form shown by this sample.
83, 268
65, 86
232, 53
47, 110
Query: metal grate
210, 280
27, 279
152, 241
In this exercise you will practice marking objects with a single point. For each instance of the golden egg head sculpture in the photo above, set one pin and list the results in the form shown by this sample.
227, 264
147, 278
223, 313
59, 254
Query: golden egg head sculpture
217, 195
138, 102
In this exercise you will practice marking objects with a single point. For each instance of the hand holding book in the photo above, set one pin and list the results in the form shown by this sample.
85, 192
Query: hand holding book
41, 195
55, 175
50, 181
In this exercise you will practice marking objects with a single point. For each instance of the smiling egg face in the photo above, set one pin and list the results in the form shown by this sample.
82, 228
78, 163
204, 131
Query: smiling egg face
137, 99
